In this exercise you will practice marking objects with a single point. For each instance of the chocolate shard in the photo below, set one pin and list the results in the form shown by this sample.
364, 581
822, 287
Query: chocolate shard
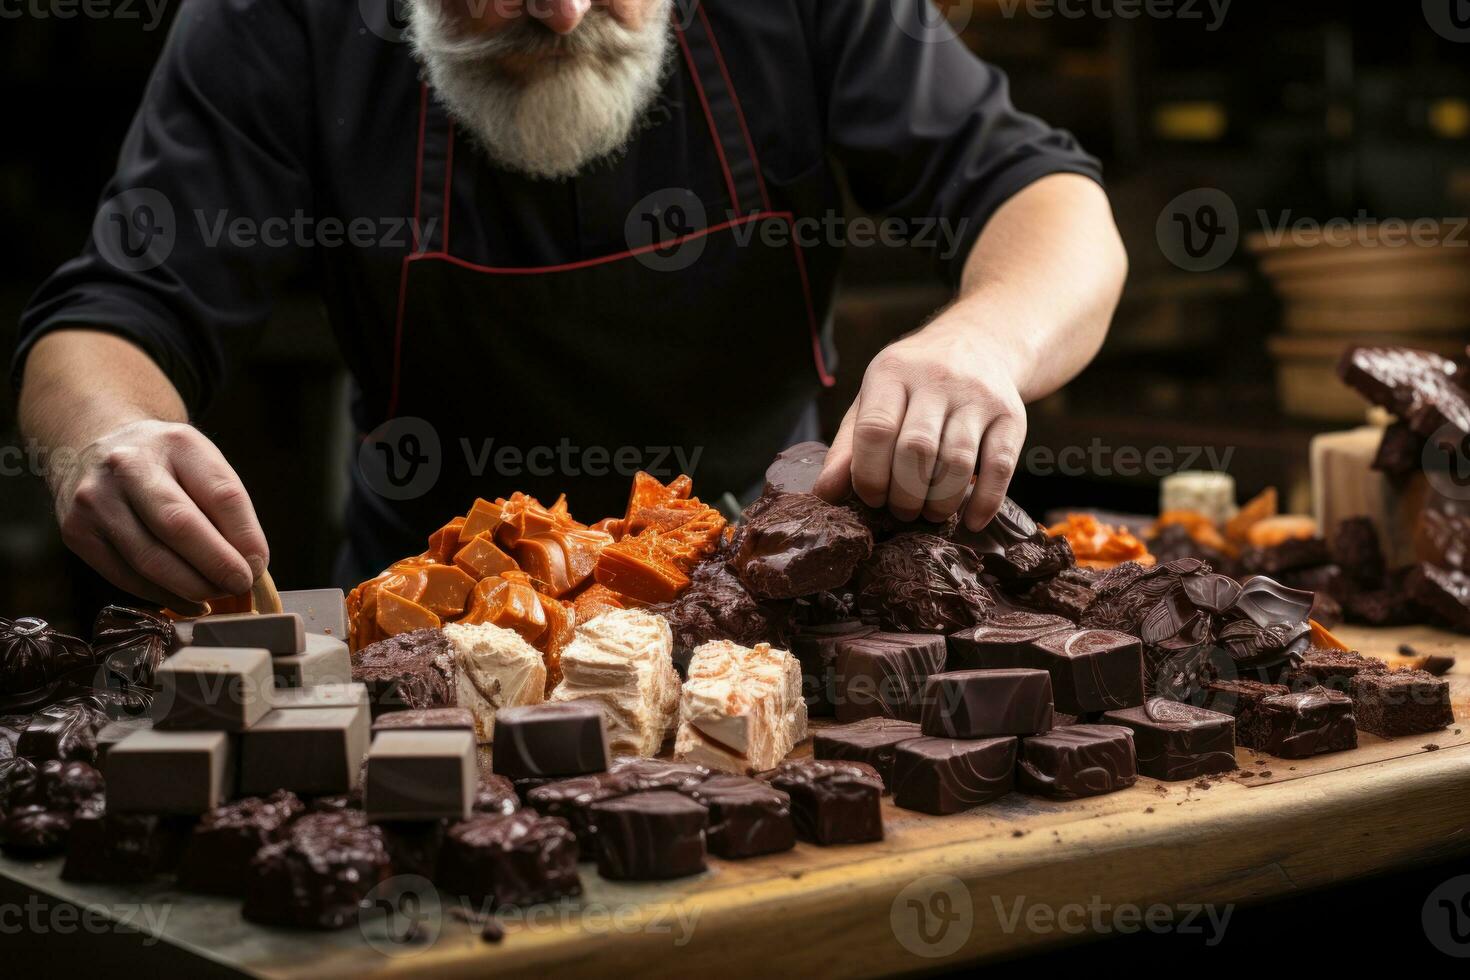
1010, 526
1028, 561
831, 802
1177, 741
217, 858
512, 859
872, 741
987, 703
922, 583
1422, 388
1301, 725
883, 675
650, 836
1076, 761
798, 544
1215, 594
943, 776
317, 876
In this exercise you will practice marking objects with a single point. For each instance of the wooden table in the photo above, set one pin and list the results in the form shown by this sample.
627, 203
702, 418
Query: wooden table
1018, 875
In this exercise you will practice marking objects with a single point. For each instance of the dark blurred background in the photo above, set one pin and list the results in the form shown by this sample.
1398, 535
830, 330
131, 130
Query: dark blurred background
1320, 110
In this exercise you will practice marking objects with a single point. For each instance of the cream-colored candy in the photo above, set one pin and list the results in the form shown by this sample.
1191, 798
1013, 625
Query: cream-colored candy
624, 659
742, 709
494, 668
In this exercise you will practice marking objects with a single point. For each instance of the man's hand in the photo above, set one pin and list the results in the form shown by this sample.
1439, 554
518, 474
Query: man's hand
931, 408
141, 496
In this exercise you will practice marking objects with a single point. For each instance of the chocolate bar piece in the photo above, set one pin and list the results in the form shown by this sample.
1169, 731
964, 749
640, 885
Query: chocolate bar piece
495, 794
324, 661
568, 739
831, 802
883, 674
519, 858
747, 817
115, 731
987, 703
572, 799
216, 860
1301, 725
1442, 591
1241, 699
111, 848
212, 689
871, 741
317, 877
1176, 741
650, 836
797, 544
321, 610
1006, 640
1332, 669
816, 649
421, 775
1421, 388
410, 670
944, 775
1076, 761
281, 634
426, 719
313, 751
1401, 702
169, 772
318, 696
1091, 670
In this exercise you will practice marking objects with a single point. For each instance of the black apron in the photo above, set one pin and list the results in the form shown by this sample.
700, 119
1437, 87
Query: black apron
698, 351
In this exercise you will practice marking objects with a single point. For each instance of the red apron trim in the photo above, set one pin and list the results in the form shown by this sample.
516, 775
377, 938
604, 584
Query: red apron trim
710, 118
448, 185
739, 112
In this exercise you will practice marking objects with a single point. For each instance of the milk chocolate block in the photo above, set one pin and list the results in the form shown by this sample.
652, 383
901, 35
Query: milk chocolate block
426, 719
1401, 702
1242, 699
495, 794
987, 703
831, 802
115, 731
1177, 741
316, 877
169, 772
280, 633
324, 661
943, 776
747, 817
1076, 761
1006, 640
421, 775
871, 741
217, 858
321, 610
312, 751
650, 836
816, 649
1091, 670
111, 847
566, 739
212, 689
318, 696
519, 858
1301, 725
883, 675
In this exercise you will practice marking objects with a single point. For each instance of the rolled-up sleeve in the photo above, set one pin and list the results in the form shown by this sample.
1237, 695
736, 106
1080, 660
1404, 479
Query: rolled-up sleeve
922, 128
196, 230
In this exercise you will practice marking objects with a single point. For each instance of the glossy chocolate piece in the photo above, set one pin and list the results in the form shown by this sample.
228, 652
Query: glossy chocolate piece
1030, 560
882, 675
67, 785
1214, 594
61, 731
282, 634
34, 832
495, 794
1091, 670
1401, 452
816, 648
650, 836
316, 877
1240, 699
185, 773
32, 654
987, 703
411, 670
1401, 702
131, 643
1076, 761
1177, 741
312, 751
795, 470
872, 741
1422, 388
943, 776
104, 848
421, 775
1300, 725
217, 858
1268, 603
1444, 592
747, 817
922, 583
573, 799
20, 780
223, 689
1005, 640
1010, 526
831, 802
428, 719
1062, 595
563, 739
511, 859
717, 606
797, 544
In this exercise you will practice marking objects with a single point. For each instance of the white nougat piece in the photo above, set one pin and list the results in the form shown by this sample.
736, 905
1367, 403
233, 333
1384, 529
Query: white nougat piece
742, 710
494, 668
625, 659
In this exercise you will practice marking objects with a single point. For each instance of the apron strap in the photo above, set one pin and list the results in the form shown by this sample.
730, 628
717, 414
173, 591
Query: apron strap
434, 179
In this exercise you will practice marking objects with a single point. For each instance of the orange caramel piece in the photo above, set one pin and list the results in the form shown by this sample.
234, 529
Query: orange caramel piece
1259, 508
595, 600
1099, 545
508, 601
483, 518
1201, 529
1323, 639
561, 623
556, 551
396, 614
481, 558
446, 590
665, 533
1276, 530
444, 542
637, 567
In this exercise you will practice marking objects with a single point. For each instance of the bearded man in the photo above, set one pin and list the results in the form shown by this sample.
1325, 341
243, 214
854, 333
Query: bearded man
552, 235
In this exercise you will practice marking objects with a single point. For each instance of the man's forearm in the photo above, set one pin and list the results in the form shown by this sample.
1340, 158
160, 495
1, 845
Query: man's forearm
1042, 282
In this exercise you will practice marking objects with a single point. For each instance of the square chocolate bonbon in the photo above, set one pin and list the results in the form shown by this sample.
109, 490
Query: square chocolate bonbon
212, 689
650, 836
281, 634
519, 858
169, 772
312, 751
987, 703
883, 675
1177, 741
871, 741
831, 802
747, 817
945, 775
550, 740
1300, 725
419, 775
1077, 761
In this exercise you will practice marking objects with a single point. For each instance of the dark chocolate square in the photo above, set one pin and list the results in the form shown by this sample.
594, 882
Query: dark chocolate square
987, 703
1301, 725
519, 858
1176, 741
882, 675
1076, 761
943, 775
871, 741
1401, 702
831, 802
563, 739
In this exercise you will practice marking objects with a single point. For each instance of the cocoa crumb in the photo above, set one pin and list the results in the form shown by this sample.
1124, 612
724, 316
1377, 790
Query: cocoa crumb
1266, 774
493, 932
1148, 809
1018, 833
1202, 783
1247, 774
1431, 747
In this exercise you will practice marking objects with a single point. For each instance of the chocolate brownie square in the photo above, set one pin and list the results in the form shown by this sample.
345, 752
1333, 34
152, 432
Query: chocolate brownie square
1401, 702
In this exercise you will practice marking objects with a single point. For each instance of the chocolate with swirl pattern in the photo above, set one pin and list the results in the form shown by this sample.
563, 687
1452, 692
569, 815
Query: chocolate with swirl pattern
943, 775
1077, 760
1177, 741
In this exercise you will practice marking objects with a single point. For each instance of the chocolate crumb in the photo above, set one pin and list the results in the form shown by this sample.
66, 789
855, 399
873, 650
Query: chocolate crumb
1406, 650
493, 932
1202, 784
1247, 774
1266, 773
1018, 833
1148, 809
1431, 747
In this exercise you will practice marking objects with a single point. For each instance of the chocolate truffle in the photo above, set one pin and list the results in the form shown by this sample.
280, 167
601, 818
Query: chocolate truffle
225, 840
318, 875
883, 674
1077, 760
987, 703
747, 817
519, 858
563, 739
495, 794
1176, 741
32, 654
831, 802
922, 583
111, 848
1401, 702
871, 741
943, 776
798, 544
650, 836
35, 832
1301, 725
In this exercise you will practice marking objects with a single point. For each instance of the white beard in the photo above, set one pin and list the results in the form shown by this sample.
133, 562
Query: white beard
554, 121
